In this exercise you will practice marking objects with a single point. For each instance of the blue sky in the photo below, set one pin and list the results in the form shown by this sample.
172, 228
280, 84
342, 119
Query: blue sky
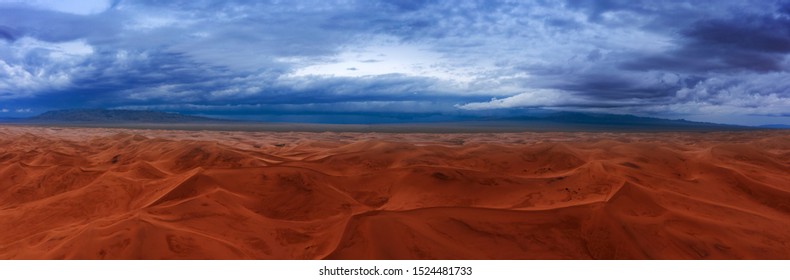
726, 62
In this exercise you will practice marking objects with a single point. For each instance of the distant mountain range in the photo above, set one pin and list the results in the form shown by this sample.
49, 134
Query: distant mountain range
552, 121
776, 126
613, 120
114, 116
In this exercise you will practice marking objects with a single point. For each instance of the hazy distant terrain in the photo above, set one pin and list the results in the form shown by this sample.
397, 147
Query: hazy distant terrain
776, 126
113, 116
556, 121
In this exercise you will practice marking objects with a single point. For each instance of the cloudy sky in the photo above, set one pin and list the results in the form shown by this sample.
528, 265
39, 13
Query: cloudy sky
726, 62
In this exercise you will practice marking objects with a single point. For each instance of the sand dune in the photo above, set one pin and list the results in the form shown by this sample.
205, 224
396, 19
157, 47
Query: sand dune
91, 193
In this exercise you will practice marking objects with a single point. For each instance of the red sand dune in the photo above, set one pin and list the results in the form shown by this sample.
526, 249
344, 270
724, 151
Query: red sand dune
71, 193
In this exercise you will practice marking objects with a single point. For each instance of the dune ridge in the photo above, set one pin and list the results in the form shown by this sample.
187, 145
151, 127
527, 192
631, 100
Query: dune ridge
92, 193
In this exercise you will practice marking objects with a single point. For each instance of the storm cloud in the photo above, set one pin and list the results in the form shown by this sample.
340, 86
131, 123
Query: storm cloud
726, 62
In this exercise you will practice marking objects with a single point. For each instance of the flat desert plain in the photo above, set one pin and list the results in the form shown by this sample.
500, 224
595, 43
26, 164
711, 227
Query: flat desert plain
93, 193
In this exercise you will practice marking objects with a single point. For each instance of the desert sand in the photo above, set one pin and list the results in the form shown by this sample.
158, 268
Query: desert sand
93, 193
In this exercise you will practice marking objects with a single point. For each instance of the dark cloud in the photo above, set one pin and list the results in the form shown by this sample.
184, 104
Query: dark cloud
707, 60
745, 43
784, 8
55, 26
613, 87
408, 5
658, 58
8, 34
749, 33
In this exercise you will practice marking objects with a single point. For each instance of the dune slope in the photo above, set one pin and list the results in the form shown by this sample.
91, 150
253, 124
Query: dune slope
89, 193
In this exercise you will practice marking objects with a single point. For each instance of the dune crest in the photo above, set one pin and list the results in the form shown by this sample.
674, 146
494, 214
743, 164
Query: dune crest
89, 193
